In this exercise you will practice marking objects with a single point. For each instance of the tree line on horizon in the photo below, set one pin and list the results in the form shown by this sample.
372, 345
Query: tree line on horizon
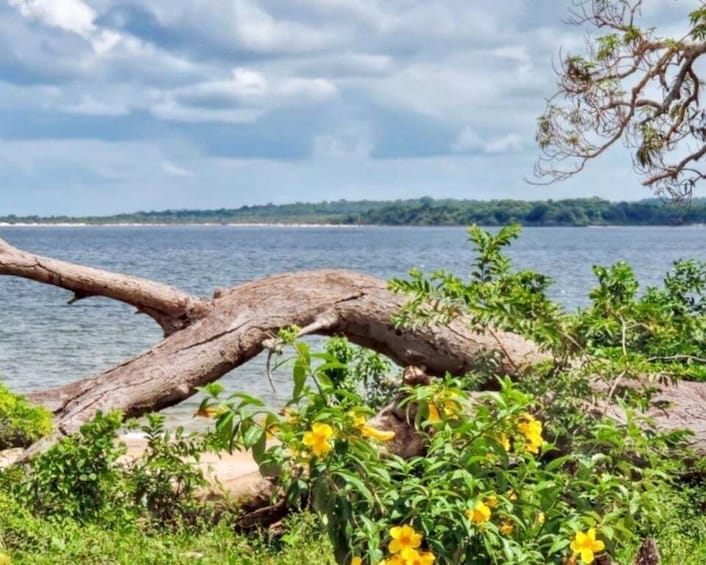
424, 211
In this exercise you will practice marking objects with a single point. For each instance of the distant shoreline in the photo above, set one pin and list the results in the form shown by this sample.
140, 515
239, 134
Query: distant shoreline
175, 224
578, 212
329, 226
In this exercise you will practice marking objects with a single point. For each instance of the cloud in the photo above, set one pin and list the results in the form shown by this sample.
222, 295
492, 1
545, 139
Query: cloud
174, 170
375, 97
261, 32
354, 141
69, 15
248, 87
468, 141
245, 96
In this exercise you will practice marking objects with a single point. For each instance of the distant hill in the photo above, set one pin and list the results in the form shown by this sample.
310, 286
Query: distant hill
415, 212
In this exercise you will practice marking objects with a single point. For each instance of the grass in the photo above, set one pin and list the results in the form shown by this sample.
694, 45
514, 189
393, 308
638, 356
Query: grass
31, 540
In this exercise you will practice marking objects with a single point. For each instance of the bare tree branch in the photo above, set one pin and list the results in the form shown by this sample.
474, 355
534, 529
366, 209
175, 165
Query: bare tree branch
629, 86
171, 308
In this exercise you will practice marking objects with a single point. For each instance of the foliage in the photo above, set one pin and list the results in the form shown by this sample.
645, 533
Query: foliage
21, 423
523, 475
421, 211
361, 371
77, 477
630, 85
30, 540
488, 455
621, 335
164, 482
495, 296
527, 472
87, 477
662, 332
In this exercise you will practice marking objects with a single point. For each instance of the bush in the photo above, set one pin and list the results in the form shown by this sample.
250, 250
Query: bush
531, 473
78, 476
21, 423
83, 478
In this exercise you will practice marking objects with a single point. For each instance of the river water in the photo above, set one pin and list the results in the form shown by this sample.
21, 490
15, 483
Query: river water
44, 341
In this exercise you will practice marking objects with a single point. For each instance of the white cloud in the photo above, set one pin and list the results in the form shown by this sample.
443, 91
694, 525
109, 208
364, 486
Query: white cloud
510, 143
174, 170
365, 88
261, 32
468, 141
354, 141
70, 15
90, 106
243, 97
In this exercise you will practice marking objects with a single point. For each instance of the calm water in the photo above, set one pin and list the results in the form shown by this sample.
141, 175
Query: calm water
44, 341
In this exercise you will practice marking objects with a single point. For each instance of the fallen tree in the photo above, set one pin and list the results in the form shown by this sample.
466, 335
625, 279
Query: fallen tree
206, 338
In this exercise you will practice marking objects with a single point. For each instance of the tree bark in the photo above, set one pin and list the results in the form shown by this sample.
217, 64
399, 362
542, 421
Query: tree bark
170, 308
207, 338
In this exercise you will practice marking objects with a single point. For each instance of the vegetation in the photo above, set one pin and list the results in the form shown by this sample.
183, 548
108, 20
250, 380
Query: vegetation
531, 473
422, 211
507, 472
78, 503
630, 85
21, 423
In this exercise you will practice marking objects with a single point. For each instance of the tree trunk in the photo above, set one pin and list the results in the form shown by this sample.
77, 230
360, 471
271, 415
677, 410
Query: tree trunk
206, 338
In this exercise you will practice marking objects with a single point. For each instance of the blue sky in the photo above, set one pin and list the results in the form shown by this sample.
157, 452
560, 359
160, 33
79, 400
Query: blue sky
121, 105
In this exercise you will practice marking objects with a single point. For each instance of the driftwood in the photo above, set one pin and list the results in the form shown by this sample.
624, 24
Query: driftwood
206, 338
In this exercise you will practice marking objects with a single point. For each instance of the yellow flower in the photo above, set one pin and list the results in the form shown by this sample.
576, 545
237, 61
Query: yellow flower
209, 412
531, 428
318, 439
413, 557
586, 545
507, 527
533, 443
504, 441
374, 433
291, 416
540, 518
511, 495
356, 561
479, 513
271, 430
394, 560
404, 537
433, 413
358, 421
491, 501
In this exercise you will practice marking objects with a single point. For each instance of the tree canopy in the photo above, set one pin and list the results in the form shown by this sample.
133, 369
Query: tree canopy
631, 85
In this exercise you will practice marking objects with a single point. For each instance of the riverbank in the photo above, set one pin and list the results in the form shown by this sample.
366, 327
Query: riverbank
425, 211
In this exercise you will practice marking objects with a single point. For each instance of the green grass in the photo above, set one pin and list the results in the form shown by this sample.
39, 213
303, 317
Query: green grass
30, 540
682, 538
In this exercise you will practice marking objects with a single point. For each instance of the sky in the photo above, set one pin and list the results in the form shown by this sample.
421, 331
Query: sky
113, 106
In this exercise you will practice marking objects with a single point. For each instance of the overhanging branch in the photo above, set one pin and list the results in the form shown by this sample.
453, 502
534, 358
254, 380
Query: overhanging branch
171, 308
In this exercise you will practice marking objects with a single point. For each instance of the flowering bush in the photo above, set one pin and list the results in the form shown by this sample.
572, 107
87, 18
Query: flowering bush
522, 474
490, 487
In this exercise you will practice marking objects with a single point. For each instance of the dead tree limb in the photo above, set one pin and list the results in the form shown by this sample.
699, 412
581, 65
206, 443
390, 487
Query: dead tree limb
208, 338
171, 308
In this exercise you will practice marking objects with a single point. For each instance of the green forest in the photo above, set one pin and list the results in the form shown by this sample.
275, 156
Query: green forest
418, 212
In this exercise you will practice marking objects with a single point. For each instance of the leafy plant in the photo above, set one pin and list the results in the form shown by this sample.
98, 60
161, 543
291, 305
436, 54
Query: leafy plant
165, 480
532, 473
77, 477
21, 423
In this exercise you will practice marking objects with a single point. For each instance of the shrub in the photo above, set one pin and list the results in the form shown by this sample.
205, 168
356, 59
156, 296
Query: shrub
78, 476
21, 423
531, 473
